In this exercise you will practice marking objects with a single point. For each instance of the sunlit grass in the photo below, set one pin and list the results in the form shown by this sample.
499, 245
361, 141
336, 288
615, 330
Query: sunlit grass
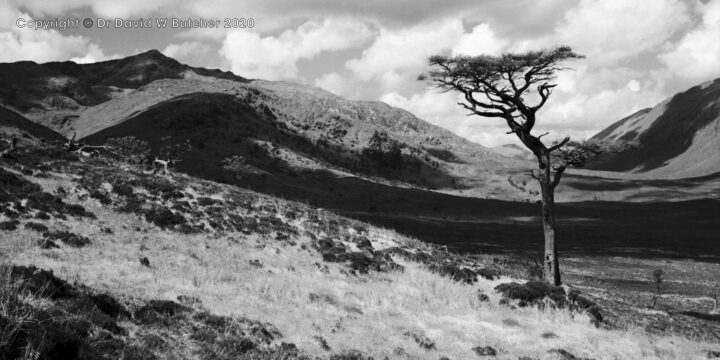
279, 283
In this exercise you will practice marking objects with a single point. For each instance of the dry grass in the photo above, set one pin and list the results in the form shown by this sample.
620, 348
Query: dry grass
267, 280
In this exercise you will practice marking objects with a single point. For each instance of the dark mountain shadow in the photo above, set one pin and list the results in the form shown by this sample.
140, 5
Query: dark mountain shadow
591, 183
219, 126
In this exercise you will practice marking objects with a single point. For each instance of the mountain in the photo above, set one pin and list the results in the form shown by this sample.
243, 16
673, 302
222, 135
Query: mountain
54, 93
515, 151
12, 123
677, 138
276, 132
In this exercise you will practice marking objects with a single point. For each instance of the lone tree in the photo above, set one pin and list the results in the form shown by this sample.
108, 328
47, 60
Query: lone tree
513, 87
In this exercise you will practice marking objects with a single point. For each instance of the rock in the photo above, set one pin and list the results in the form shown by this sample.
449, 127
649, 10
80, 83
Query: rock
144, 261
423, 341
256, 263
365, 244
485, 351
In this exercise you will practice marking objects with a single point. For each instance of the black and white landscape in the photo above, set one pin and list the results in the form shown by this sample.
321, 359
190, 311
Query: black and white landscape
157, 207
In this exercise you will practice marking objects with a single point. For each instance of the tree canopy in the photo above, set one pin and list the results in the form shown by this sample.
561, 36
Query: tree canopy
497, 86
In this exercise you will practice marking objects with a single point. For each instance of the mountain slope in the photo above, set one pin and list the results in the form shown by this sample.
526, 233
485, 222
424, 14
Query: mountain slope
679, 137
13, 123
514, 151
299, 126
54, 93
218, 127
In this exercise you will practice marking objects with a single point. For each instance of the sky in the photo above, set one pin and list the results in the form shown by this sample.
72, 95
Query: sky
638, 52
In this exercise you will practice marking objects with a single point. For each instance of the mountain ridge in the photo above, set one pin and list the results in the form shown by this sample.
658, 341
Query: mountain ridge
356, 137
680, 137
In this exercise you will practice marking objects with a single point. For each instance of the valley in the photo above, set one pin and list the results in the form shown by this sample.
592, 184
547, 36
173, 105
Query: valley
276, 187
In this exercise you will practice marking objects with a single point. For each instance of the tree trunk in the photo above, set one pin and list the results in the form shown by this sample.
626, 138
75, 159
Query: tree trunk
551, 267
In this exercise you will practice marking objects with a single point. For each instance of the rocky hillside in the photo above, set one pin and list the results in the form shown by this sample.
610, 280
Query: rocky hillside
99, 263
678, 138
273, 129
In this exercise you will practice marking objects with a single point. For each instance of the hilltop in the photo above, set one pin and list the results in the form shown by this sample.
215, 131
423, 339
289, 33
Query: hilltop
277, 128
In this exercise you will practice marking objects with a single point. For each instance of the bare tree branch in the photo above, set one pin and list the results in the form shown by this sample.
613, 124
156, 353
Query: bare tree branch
559, 145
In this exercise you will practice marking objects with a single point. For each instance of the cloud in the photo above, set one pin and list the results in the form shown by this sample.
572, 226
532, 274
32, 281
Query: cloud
189, 52
611, 30
103, 8
41, 45
403, 53
335, 83
482, 40
274, 58
696, 56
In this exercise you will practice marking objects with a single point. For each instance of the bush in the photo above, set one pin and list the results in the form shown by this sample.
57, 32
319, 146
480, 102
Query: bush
10, 225
132, 150
68, 238
122, 189
101, 196
532, 293
164, 218
36, 227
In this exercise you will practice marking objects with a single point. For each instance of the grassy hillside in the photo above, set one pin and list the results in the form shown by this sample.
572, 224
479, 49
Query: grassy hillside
170, 266
12, 123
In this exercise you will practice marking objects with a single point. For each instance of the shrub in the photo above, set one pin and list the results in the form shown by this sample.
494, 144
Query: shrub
68, 238
122, 189
532, 293
132, 150
164, 218
10, 225
101, 196
36, 227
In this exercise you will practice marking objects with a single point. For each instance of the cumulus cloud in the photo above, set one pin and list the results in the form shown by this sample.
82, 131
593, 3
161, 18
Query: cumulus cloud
103, 8
619, 39
41, 45
275, 58
697, 55
612, 30
402, 53
481, 40
189, 52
